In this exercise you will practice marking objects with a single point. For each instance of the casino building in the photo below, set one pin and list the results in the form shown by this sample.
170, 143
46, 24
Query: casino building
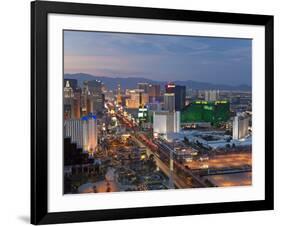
83, 132
213, 112
180, 94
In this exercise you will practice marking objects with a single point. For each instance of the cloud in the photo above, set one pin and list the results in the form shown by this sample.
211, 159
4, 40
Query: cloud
161, 56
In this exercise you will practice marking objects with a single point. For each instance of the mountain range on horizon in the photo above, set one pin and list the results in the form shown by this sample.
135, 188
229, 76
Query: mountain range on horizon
131, 82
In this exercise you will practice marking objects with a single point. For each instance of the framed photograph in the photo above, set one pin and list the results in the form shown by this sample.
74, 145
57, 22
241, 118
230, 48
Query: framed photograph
145, 112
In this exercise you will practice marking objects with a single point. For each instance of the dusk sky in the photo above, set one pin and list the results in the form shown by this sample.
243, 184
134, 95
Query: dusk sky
159, 57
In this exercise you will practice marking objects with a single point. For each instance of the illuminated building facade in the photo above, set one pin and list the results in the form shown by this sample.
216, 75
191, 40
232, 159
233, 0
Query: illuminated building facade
119, 95
153, 92
72, 82
83, 132
143, 114
67, 90
180, 94
90, 133
166, 122
144, 86
137, 98
211, 95
169, 102
240, 126
71, 101
77, 105
203, 111
155, 106
96, 96
73, 129
85, 103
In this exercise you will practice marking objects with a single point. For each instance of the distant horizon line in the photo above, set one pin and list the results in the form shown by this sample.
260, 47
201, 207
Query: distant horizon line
103, 76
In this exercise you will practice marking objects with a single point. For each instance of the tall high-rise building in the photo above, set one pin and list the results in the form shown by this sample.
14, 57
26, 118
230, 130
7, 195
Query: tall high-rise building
67, 106
119, 95
169, 102
90, 133
97, 98
77, 104
144, 86
166, 122
180, 94
155, 106
73, 129
67, 90
211, 95
170, 87
85, 104
72, 82
137, 98
109, 95
83, 132
153, 92
68, 101
95, 86
240, 126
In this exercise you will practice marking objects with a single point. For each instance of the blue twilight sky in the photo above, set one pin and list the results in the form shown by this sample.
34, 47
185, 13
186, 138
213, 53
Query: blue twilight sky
159, 57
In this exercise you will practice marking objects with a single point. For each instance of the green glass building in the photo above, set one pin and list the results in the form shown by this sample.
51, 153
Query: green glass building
203, 111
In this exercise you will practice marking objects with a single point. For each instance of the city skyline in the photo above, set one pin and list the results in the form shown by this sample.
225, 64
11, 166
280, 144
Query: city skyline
157, 57
148, 138
152, 127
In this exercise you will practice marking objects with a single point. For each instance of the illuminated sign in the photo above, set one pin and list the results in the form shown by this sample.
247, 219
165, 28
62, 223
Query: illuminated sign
216, 102
221, 102
208, 108
201, 102
142, 114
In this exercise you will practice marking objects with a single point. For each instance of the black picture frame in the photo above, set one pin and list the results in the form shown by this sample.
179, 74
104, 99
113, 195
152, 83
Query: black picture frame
39, 112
